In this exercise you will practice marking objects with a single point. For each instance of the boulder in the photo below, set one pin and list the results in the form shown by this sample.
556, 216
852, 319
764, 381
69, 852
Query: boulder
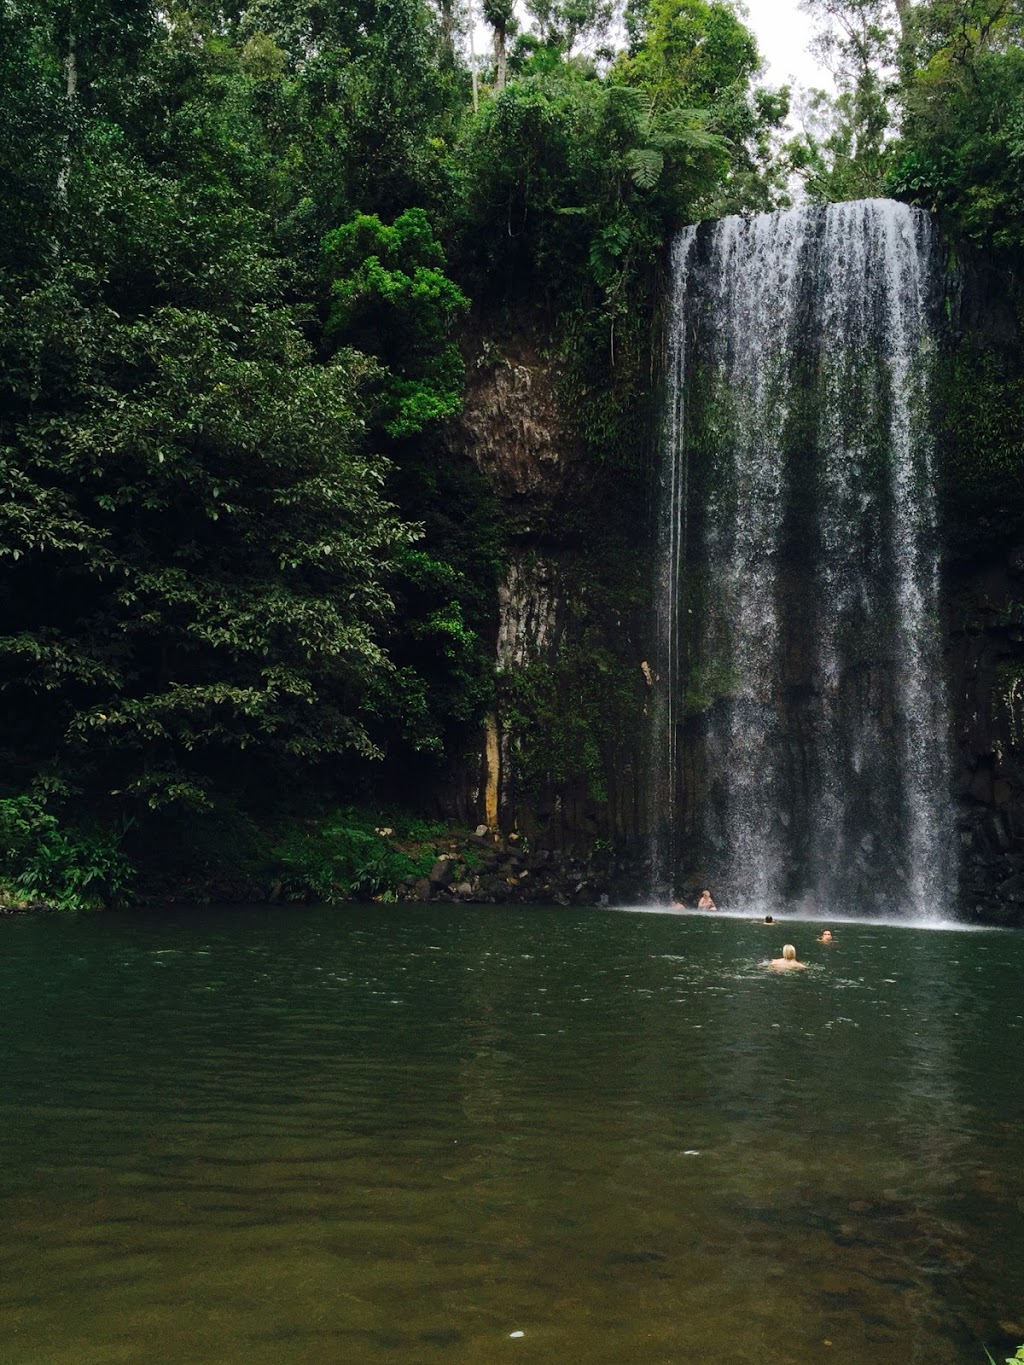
441, 871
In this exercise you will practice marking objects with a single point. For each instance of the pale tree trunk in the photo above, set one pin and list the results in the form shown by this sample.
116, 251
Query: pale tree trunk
472, 62
500, 57
70, 91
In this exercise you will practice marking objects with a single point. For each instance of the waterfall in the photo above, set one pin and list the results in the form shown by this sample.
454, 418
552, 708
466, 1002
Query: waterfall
671, 544
800, 728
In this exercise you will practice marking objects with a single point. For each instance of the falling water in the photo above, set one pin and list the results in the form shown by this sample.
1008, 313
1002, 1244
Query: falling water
800, 720
670, 562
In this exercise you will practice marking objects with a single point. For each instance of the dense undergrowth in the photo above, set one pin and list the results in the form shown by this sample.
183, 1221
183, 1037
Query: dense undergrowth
325, 855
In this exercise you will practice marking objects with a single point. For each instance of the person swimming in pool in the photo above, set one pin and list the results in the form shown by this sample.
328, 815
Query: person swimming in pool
787, 962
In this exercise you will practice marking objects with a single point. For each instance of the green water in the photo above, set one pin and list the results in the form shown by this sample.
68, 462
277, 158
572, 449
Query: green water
404, 1134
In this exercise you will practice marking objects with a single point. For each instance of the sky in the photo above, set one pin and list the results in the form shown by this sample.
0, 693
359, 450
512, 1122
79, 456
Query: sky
783, 33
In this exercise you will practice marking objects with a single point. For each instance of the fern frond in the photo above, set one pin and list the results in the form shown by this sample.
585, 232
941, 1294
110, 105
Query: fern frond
645, 165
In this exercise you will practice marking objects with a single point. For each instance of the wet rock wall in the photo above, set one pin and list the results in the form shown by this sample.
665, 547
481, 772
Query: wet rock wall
986, 666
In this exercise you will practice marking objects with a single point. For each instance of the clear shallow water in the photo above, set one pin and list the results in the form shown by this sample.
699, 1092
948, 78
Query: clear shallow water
404, 1134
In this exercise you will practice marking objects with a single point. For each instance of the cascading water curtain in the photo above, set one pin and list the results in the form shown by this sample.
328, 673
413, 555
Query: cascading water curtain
800, 718
671, 547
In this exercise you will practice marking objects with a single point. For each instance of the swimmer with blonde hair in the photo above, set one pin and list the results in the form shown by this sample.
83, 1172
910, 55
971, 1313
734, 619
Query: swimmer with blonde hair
787, 961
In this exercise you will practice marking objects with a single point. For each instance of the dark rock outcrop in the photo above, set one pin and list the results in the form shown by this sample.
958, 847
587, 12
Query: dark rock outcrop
502, 871
986, 661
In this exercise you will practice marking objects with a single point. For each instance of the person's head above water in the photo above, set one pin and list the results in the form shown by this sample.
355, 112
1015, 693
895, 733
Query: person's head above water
769, 919
787, 961
825, 936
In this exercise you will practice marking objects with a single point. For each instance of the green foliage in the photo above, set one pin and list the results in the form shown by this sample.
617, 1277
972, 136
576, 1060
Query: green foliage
500, 14
195, 539
659, 134
76, 868
930, 107
219, 539
345, 858
842, 154
962, 150
289, 845
558, 161
980, 443
520, 157
691, 55
391, 299
689, 48
365, 108
564, 24
845, 149
411, 828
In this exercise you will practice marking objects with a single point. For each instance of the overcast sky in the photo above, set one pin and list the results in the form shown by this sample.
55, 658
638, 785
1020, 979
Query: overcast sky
783, 32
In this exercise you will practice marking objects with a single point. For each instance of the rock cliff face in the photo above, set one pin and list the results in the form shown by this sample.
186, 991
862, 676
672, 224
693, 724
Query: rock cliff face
568, 647
986, 662
513, 430
569, 740
981, 442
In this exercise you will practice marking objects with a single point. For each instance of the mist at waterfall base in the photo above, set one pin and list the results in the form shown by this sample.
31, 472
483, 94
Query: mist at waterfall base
799, 738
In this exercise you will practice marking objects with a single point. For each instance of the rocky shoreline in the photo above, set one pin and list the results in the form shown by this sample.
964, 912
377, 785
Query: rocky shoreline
490, 869
484, 868
16, 907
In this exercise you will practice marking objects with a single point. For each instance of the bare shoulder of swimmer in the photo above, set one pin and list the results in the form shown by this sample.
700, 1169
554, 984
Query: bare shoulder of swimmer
787, 962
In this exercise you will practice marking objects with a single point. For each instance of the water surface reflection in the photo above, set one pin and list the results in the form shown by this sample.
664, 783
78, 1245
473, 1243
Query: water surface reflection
309, 1135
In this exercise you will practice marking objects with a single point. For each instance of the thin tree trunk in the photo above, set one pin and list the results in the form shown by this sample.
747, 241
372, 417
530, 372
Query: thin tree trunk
500, 57
448, 25
472, 62
70, 91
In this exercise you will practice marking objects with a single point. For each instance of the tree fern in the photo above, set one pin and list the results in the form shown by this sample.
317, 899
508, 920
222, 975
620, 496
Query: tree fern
645, 165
